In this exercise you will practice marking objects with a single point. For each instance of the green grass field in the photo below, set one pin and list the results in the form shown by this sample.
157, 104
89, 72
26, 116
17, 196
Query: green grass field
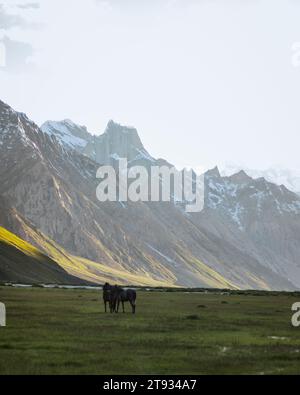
52, 331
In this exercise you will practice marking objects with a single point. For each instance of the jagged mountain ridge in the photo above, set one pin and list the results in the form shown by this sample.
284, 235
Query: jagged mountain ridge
158, 240
276, 175
116, 142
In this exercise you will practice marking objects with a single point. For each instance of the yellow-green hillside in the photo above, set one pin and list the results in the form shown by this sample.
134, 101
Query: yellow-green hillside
22, 262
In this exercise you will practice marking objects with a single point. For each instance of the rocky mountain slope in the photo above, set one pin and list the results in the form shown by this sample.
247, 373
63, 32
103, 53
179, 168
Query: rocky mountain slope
246, 236
80, 268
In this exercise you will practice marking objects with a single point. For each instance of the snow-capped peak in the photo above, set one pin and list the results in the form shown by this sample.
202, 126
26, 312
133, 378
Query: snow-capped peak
277, 175
67, 133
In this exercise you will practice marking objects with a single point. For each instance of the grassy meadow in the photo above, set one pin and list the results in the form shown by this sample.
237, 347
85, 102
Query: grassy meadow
58, 331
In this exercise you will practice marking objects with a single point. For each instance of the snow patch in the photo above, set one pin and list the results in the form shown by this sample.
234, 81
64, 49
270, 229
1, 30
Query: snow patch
167, 258
61, 130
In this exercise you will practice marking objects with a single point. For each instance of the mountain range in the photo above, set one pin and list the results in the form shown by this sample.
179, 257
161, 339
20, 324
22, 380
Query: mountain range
277, 175
247, 235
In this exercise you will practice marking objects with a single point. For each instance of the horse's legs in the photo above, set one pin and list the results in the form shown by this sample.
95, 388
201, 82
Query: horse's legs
123, 306
105, 306
132, 302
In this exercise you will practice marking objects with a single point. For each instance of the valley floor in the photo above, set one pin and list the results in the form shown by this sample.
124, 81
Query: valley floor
58, 331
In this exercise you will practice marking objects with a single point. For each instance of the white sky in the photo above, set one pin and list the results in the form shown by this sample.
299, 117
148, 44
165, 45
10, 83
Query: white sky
204, 81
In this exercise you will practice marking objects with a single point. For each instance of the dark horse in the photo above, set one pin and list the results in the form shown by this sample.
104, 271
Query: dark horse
107, 296
120, 295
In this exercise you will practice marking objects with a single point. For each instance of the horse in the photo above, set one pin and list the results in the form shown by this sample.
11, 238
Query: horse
107, 296
119, 294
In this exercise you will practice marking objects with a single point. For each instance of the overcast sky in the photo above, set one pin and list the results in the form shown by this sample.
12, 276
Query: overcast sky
205, 82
